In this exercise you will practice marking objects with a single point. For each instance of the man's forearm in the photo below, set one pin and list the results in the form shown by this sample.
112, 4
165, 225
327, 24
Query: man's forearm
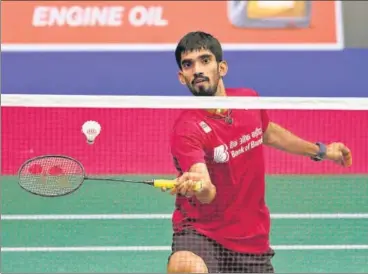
282, 139
208, 191
207, 195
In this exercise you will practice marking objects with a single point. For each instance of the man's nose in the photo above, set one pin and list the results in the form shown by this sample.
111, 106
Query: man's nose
198, 74
198, 68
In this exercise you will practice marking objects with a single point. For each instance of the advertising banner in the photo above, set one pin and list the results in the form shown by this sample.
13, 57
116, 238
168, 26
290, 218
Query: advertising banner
158, 25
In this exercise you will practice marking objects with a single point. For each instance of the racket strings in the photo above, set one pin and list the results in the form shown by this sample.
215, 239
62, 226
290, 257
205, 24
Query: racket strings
51, 176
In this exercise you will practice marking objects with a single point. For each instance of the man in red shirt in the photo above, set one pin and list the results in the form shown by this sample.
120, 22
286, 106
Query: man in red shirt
224, 226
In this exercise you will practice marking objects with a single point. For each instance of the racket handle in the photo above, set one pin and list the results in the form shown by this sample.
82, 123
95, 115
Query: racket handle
161, 183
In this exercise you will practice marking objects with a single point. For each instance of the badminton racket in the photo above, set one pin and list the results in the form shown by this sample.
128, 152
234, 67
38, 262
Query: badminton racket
58, 175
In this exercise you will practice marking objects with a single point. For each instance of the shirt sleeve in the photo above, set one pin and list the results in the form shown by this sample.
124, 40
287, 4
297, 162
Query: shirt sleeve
265, 119
186, 146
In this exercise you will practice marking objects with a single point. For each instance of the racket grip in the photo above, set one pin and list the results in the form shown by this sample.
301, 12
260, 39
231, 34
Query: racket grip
161, 183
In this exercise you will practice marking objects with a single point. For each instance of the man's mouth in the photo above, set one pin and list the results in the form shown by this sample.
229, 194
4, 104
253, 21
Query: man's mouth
199, 80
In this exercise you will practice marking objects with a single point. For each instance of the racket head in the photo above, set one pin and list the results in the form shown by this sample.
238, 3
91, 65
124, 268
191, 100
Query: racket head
51, 175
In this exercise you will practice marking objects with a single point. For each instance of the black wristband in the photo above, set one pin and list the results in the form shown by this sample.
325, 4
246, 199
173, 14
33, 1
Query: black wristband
321, 153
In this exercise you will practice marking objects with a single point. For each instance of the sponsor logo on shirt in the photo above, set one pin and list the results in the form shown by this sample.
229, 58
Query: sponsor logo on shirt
246, 142
221, 154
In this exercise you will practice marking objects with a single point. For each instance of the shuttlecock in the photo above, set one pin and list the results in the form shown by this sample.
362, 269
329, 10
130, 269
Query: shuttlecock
91, 129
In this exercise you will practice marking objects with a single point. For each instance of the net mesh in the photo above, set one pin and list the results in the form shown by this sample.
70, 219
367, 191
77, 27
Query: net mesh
319, 211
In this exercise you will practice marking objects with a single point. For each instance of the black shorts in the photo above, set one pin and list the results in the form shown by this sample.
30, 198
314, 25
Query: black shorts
219, 259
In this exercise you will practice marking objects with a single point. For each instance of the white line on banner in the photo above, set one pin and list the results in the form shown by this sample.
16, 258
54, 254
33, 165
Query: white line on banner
34, 217
184, 102
5, 47
339, 24
167, 248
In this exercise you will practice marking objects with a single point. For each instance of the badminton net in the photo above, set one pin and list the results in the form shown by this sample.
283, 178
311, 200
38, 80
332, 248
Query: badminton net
319, 210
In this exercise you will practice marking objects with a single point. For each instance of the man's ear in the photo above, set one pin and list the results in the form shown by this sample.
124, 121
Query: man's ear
181, 78
223, 68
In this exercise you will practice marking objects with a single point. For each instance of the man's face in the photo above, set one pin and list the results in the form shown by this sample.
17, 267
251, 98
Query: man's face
200, 72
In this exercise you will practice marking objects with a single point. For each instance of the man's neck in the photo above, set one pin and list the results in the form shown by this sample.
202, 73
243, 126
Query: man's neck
221, 91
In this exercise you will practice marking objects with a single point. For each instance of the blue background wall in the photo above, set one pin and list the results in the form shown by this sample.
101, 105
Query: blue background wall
305, 74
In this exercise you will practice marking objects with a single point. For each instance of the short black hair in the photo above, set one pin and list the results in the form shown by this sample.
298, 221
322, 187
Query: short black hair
198, 40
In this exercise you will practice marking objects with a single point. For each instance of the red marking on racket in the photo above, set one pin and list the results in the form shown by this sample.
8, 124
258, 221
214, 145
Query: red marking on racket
56, 171
35, 169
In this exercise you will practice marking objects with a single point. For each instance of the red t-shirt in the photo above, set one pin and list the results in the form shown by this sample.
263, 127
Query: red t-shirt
238, 217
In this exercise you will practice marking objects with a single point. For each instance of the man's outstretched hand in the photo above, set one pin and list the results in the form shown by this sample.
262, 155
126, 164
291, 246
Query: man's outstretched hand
340, 154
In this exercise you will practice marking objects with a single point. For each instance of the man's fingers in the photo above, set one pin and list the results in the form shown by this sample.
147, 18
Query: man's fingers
345, 150
190, 176
346, 154
186, 184
348, 160
340, 154
185, 188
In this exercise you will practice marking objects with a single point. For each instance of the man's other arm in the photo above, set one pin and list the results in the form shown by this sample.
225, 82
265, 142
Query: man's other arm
282, 139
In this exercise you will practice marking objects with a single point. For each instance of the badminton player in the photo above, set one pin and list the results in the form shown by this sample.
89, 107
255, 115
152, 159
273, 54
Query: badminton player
225, 226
